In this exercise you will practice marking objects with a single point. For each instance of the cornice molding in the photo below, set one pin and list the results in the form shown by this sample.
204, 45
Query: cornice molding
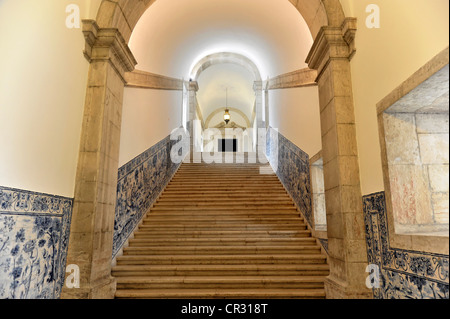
107, 44
193, 86
257, 86
421, 75
332, 43
146, 80
299, 78
349, 28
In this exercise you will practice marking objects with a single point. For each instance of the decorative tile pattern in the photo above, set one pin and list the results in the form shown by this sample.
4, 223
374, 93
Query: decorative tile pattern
34, 236
324, 243
404, 273
293, 171
140, 182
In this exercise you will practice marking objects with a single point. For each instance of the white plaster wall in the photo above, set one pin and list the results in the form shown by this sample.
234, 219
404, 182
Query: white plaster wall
295, 113
411, 33
43, 77
148, 116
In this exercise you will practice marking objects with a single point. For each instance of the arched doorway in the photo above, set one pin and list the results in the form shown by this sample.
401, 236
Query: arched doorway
90, 242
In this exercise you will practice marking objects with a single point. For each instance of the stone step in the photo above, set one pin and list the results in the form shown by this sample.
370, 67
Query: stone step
222, 227
220, 210
222, 250
221, 282
152, 233
217, 215
222, 231
214, 198
222, 241
220, 259
220, 293
176, 220
214, 217
213, 202
179, 178
221, 270
229, 207
233, 192
226, 186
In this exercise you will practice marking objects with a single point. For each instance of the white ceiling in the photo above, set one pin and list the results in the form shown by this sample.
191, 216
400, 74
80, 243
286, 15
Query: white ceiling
213, 83
173, 35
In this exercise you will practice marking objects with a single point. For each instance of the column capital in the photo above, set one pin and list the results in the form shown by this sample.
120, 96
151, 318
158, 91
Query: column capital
333, 43
257, 86
107, 44
193, 86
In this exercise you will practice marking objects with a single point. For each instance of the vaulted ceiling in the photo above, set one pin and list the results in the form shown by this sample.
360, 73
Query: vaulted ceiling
174, 35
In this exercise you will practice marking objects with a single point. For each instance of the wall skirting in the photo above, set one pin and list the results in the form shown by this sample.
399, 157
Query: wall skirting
140, 182
404, 273
34, 235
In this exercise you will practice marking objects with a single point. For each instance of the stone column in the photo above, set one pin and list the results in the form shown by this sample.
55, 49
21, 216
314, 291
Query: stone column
330, 56
193, 89
266, 104
258, 88
92, 226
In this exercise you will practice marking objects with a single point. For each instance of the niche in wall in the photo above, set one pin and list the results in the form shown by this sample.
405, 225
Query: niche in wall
414, 137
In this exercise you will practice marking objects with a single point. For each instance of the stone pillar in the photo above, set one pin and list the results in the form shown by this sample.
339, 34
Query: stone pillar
193, 89
258, 88
266, 104
330, 56
92, 226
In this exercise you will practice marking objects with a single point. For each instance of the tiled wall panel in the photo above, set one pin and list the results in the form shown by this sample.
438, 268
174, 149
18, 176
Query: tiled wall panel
404, 274
34, 235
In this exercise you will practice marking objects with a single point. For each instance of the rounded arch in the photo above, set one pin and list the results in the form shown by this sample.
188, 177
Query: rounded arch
116, 20
225, 57
125, 14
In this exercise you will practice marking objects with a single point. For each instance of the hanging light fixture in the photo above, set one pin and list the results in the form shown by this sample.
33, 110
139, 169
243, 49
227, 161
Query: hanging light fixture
227, 116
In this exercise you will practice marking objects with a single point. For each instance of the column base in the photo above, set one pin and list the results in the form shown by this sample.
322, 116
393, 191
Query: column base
104, 290
338, 289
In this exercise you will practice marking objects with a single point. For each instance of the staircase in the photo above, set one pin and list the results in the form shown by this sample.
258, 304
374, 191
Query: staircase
222, 231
